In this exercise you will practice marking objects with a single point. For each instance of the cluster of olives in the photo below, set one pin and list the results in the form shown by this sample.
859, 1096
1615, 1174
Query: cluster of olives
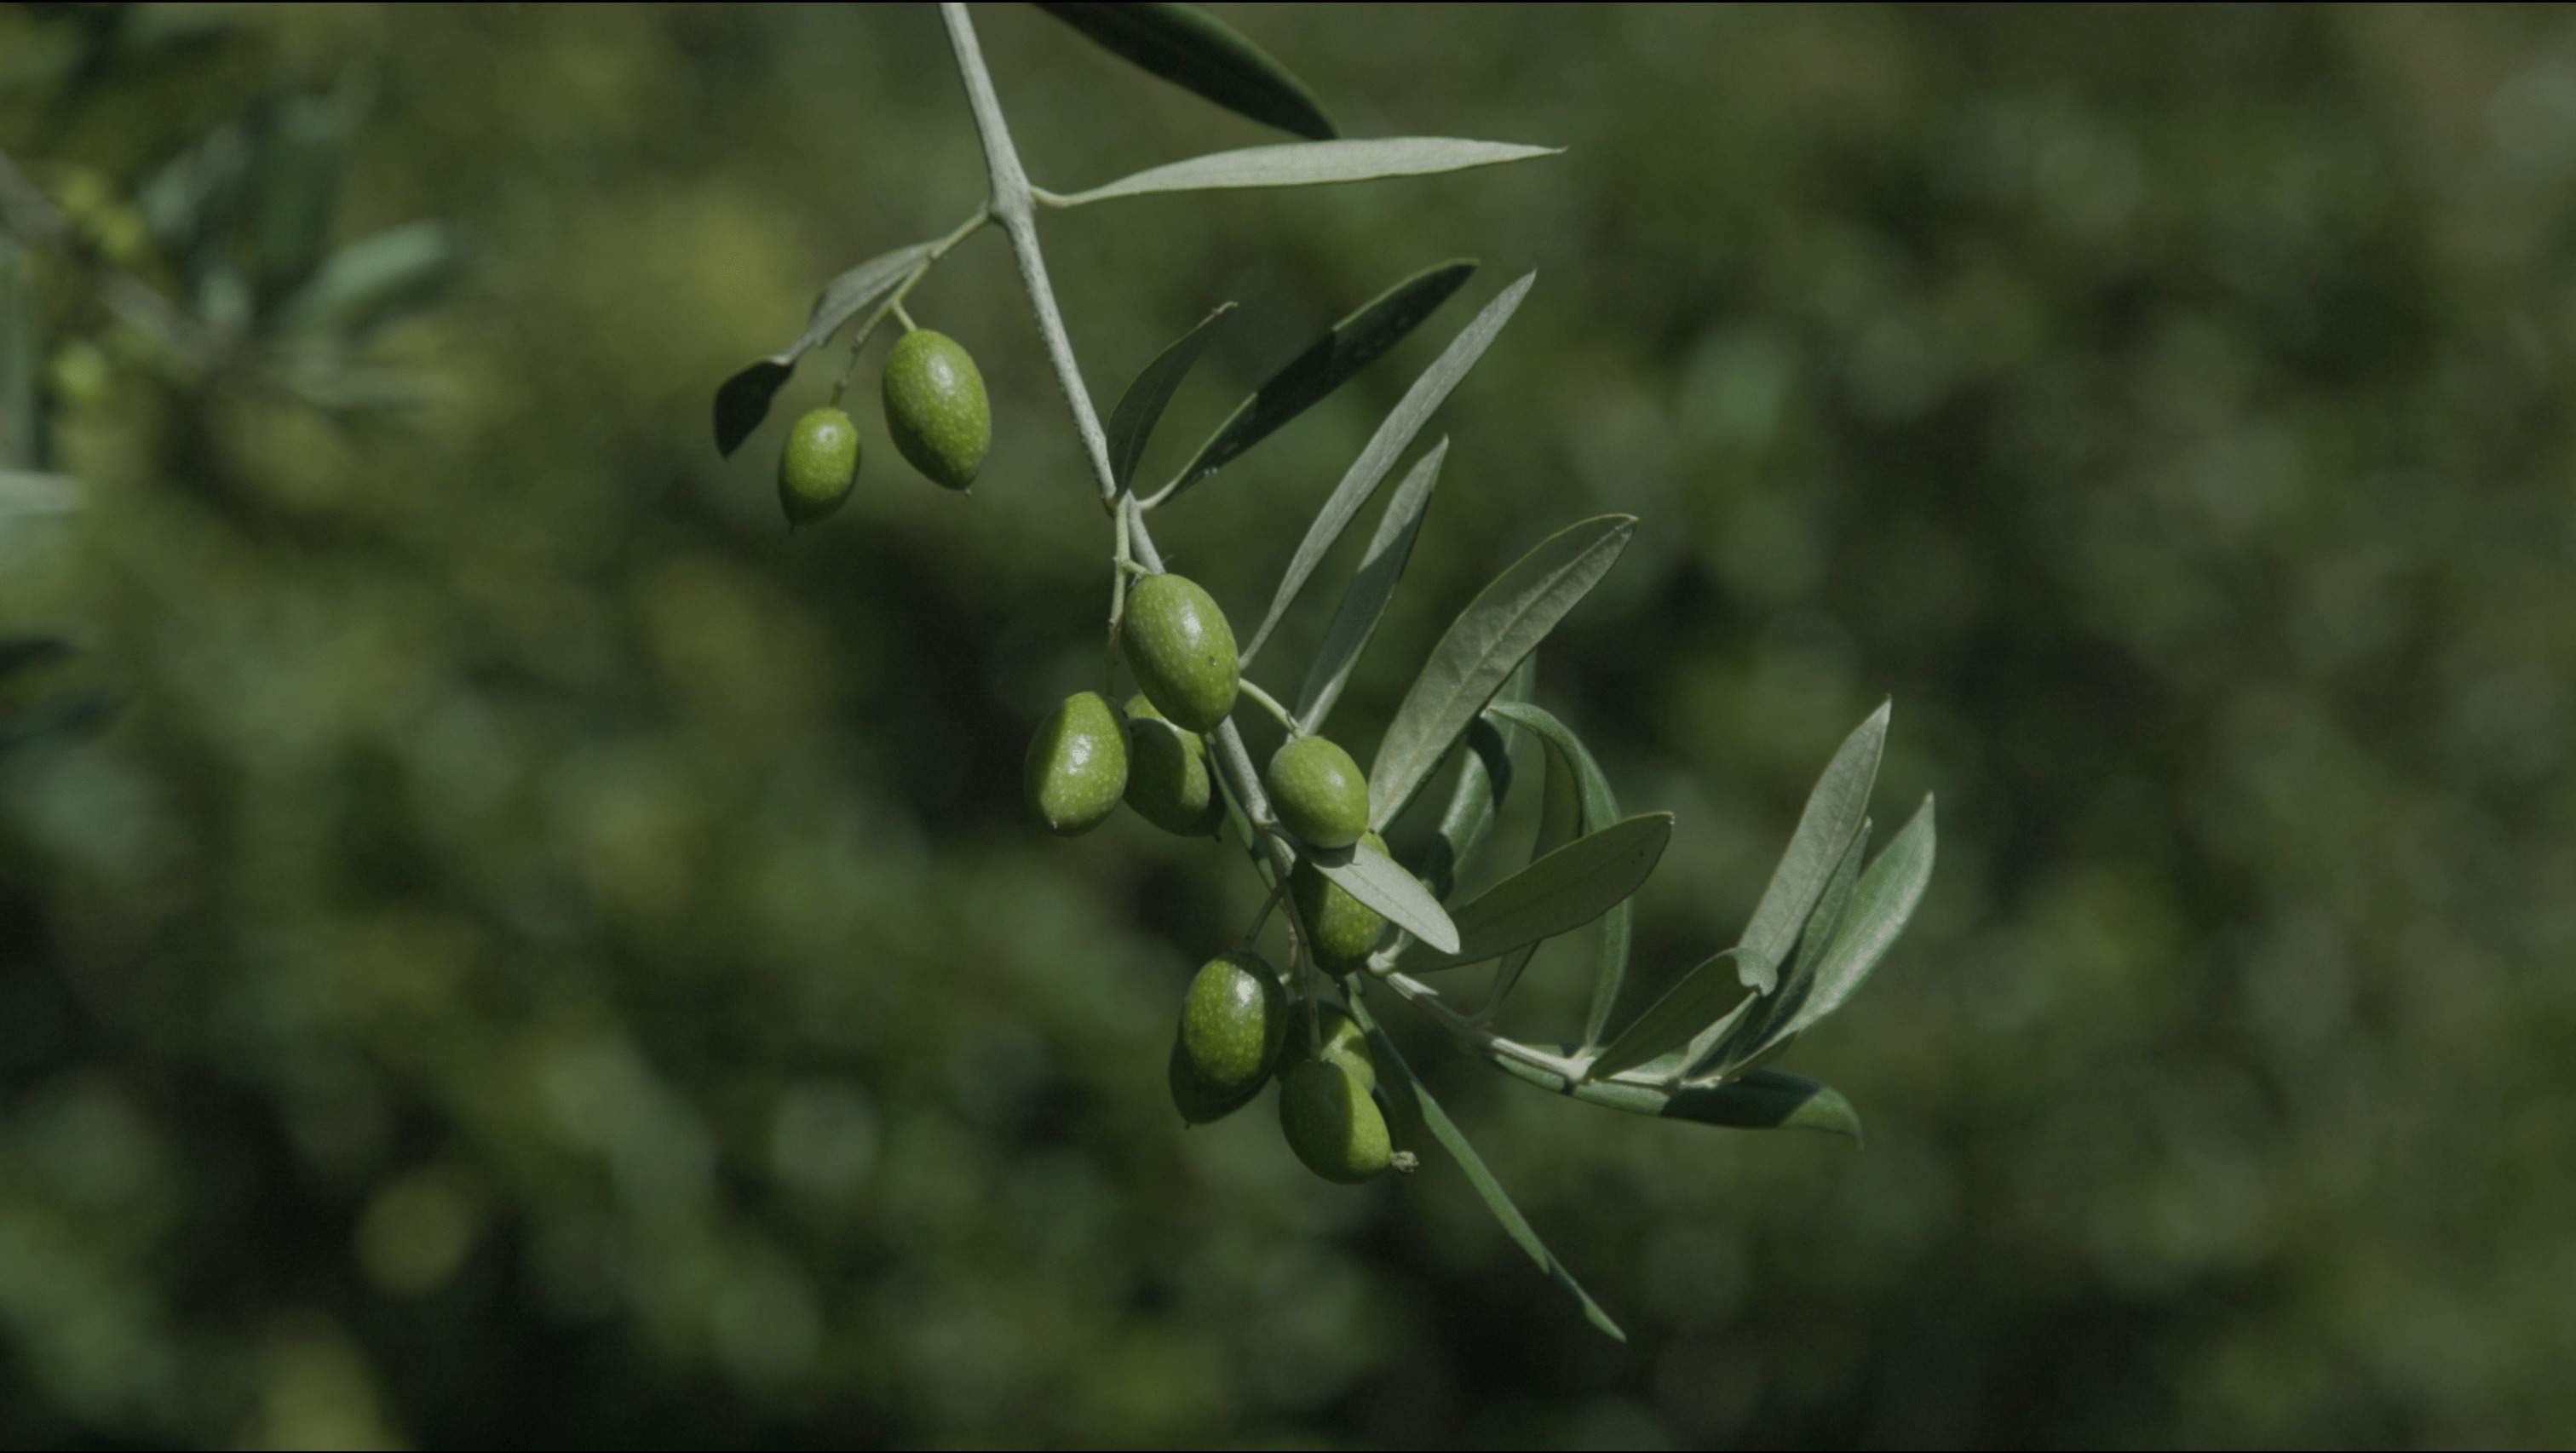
934, 407
1090, 755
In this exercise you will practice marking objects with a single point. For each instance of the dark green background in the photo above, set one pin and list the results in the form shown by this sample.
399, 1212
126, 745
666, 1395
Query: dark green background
545, 954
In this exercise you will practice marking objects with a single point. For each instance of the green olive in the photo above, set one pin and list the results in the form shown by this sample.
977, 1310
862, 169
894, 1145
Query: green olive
1342, 927
1332, 1124
820, 464
1319, 792
1181, 649
935, 408
1233, 1021
1077, 765
1167, 774
1340, 1040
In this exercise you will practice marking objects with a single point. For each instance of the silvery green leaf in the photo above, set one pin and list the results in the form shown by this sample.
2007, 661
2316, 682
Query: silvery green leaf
1380, 882
1880, 905
1452, 1139
1330, 361
1371, 587
1740, 1041
1560, 892
1131, 424
1393, 437
1198, 52
1312, 164
1596, 804
373, 278
1762, 1100
1670, 1022
743, 400
1834, 810
1504, 623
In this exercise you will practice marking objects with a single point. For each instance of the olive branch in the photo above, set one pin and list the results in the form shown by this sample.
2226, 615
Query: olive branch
1698, 1052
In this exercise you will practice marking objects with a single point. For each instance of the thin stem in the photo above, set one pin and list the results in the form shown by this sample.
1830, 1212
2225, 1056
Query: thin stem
1270, 704
894, 300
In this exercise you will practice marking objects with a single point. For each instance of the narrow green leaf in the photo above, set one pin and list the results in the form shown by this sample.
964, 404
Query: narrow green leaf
1504, 623
1740, 1041
1381, 882
1198, 52
1312, 164
1560, 821
1834, 810
1880, 905
1485, 775
1393, 437
302, 152
1446, 1131
373, 278
743, 400
1330, 361
1560, 892
1599, 805
1670, 1022
1372, 586
1762, 1100
1131, 424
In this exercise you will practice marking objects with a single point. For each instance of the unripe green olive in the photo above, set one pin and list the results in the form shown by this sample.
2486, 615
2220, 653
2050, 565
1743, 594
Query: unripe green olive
1167, 774
1319, 793
1332, 1124
935, 408
1341, 929
819, 465
1077, 765
1339, 1039
1233, 1021
1182, 651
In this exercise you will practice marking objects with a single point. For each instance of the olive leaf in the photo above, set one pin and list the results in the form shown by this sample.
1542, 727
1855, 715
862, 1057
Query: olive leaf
1833, 815
1198, 52
1451, 1138
1393, 437
1311, 164
1504, 623
1881, 903
373, 279
1486, 770
1382, 883
1762, 1100
743, 400
21, 349
1560, 892
1140, 408
1670, 1022
1597, 804
1733, 1044
303, 149
1371, 587
1326, 364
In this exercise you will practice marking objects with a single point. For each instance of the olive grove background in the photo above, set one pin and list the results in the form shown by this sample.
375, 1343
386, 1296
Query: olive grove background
538, 952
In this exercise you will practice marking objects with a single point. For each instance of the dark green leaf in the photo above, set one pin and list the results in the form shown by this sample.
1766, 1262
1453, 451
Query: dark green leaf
21, 355
1326, 365
1381, 882
743, 400
1131, 424
1834, 810
1504, 623
1669, 1023
1197, 52
1312, 164
1372, 586
302, 151
1599, 805
1560, 892
1452, 1139
1484, 781
17, 653
1763, 1100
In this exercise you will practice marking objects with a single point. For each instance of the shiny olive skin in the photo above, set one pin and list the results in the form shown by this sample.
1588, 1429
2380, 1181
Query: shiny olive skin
1342, 1041
1077, 765
818, 466
1182, 650
1319, 793
1341, 928
1332, 1124
1168, 780
935, 408
1233, 1021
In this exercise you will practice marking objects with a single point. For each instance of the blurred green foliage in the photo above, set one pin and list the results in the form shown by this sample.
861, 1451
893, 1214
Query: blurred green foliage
543, 954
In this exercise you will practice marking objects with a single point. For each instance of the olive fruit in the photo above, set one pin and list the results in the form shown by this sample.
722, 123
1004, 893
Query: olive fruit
819, 465
1077, 765
1319, 793
1233, 1021
1332, 1124
1181, 649
935, 408
1167, 774
1340, 927
1340, 1040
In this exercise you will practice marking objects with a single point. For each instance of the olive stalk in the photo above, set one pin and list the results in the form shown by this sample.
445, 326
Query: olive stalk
1270, 704
1012, 203
894, 300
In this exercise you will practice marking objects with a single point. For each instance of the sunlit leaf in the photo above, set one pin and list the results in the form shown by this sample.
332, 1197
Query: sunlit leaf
1131, 424
1880, 905
1312, 164
1834, 810
1671, 1021
1198, 52
1740, 1041
1490, 1190
1504, 623
1330, 361
1372, 586
743, 400
1560, 892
